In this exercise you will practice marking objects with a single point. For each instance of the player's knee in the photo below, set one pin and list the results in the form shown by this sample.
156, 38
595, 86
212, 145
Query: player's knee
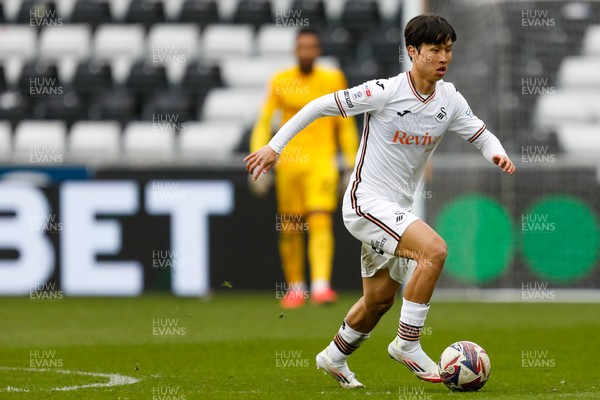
379, 305
438, 251
319, 220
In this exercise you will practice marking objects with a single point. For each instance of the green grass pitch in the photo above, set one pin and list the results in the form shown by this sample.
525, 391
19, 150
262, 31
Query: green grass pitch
239, 345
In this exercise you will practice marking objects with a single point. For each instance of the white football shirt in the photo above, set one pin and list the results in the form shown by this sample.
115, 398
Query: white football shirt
402, 129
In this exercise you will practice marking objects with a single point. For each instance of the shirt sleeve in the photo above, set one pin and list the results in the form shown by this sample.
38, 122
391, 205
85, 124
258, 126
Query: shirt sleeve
473, 130
368, 97
317, 108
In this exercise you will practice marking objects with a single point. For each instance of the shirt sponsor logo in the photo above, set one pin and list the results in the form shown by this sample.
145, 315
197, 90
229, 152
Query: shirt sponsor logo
469, 113
417, 140
348, 101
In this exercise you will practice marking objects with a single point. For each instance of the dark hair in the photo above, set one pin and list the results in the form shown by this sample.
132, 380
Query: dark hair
307, 31
428, 29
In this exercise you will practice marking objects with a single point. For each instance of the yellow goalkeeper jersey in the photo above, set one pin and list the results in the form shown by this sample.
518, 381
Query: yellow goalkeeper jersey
289, 91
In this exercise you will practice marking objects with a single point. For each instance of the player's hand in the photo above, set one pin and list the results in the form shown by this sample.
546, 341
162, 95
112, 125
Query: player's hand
261, 161
504, 163
261, 186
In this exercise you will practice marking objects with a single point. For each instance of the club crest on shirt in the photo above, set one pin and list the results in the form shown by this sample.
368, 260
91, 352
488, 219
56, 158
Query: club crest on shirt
441, 115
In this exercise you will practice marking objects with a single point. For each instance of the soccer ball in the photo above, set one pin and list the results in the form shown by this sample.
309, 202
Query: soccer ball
464, 366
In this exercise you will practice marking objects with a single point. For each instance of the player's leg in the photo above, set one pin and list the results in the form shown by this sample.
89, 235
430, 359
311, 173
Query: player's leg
320, 256
291, 236
421, 243
320, 185
379, 291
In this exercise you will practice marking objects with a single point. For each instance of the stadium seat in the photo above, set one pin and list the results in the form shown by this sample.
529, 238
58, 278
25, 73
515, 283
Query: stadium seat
92, 13
146, 77
118, 105
384, 45
147, 141
42, 140
173, 45
273, 40
118, 9
212, 140
172, 106
65, 8
252, 72
580, 139
201, 77
119, 41
360, 16
14, 107
92, 77
334, 9
3, 84
200, 12
564, 107
253, 12
312, 11
239, 104
40, 79
145, 12
95, 141
69, 41
574, 73
39, 14
17, 41
5, 140
362, 71
2, 18
220, 41
176, 39
69, 107
338, 42
591, 41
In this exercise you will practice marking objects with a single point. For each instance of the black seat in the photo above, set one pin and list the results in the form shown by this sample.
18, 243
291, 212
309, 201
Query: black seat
69, 107
3, 85
360, 16
92, 77
199, 12
118, 105
146, 77
146, 12
178, 106
338, 42
312, 11
200, 77
14, 107
38, 14
253, 12
39, 79
92, 13
359, 72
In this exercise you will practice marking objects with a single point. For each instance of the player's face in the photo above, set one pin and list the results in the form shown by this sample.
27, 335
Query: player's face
433, 60
307, 50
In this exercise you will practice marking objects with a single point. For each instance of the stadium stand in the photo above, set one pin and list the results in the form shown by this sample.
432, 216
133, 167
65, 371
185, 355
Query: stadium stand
121, 62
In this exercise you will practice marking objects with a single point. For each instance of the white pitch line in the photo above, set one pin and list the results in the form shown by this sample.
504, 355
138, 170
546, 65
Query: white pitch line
113, 379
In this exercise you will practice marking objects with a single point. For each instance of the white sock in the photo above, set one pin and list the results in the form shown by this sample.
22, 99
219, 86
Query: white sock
319, 285
412, 319
345, 342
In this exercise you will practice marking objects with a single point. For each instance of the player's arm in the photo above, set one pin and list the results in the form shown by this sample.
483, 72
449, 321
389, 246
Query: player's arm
347, 134
261, 132
473, 130
371, 99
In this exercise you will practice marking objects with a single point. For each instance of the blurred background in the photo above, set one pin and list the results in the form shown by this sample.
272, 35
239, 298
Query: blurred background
123, 125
